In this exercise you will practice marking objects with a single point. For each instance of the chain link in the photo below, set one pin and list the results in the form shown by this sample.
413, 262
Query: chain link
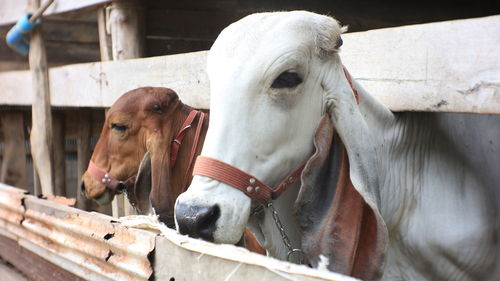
284, 237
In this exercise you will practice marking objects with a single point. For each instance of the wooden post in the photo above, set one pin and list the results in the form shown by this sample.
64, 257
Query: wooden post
37, 189
13, 169
59, 154
126, 25
41, 132
126, 21
104, 35
83, 153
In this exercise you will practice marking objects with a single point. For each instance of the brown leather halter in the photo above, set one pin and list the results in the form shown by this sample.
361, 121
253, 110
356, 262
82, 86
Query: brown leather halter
118, 185
251, 186
108, 180
248, 184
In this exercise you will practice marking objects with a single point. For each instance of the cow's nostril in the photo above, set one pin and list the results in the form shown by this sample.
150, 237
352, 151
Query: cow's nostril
197, 221
121, 188
82, 188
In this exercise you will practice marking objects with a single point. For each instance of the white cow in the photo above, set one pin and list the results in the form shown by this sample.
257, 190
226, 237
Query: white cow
428, 182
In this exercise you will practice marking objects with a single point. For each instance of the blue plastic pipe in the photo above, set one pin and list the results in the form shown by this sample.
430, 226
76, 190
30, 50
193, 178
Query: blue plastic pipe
18, 37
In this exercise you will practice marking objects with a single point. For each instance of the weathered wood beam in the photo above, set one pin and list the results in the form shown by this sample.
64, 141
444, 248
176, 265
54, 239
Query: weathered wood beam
13, 169
84, 151
444, 67
450, 66
104, 36
233, 263
59, 154
41, 131
126, 18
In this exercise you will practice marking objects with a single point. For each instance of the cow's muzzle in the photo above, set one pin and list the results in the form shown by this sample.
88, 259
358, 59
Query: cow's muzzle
197, 221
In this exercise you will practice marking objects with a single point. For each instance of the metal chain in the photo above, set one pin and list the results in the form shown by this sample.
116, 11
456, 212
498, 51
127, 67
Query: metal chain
284, 237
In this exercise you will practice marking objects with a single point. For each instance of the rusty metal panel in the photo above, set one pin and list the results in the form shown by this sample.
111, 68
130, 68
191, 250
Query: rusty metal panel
32, 265
11, 210
89, 245
93, 246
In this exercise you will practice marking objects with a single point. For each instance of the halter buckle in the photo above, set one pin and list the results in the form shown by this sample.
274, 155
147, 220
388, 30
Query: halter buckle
297, 252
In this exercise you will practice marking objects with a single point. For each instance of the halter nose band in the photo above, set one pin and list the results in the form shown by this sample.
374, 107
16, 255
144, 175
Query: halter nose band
108, 180
250, 185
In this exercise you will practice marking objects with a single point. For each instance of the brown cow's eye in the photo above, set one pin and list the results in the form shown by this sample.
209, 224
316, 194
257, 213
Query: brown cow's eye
286, 79
118, 127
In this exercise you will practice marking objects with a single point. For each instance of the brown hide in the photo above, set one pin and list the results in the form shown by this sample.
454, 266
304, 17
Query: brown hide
137, 135
144, 120
334, 219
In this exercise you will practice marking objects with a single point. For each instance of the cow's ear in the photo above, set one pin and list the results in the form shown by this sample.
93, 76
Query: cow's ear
328, 36
139, 196
334, 219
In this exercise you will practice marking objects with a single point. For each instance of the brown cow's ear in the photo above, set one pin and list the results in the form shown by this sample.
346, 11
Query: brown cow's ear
334, 218
139, 197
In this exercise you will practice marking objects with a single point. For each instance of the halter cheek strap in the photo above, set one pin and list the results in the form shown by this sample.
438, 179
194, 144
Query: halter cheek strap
251, 186
180, 136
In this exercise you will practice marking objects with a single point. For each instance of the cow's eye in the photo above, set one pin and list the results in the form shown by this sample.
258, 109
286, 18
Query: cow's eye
286, 79
118, 127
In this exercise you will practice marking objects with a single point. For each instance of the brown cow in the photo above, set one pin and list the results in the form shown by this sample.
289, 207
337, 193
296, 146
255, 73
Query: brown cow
148, 129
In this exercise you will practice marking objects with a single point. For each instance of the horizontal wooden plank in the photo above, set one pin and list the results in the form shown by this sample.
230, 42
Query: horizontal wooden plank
100, 84
233, 263
12, 11
448, 66
16, 88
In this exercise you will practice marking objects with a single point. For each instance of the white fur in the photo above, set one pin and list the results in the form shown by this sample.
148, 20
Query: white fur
440, 220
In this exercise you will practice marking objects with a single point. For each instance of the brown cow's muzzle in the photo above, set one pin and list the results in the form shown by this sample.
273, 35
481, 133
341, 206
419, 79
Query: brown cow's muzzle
101, 186
93, 189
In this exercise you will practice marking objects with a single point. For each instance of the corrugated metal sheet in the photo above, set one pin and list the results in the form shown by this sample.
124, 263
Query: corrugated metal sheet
89, 245
95, 247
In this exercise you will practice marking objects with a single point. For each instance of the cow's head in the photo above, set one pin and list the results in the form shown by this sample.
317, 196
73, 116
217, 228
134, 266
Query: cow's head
270, 75
279, 93
137, 135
